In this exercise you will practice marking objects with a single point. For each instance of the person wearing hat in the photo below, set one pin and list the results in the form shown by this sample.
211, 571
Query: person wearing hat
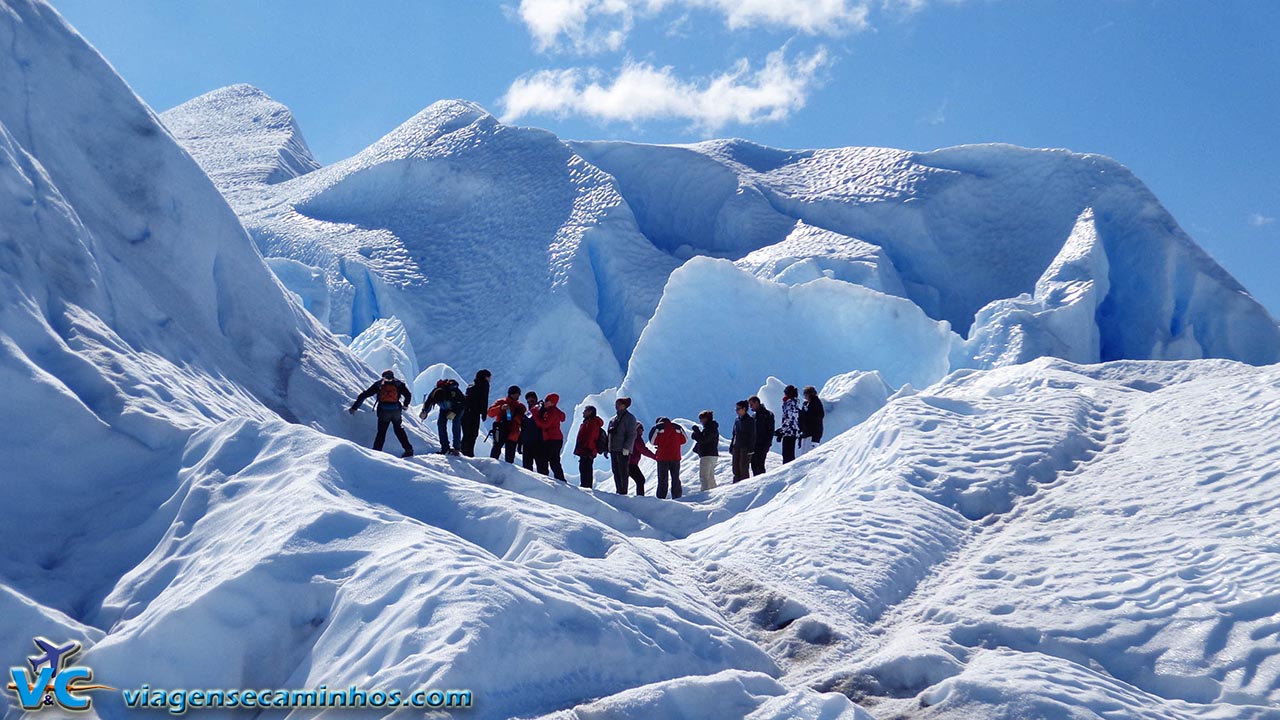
507, 414
668, 438
389, 391
622, 438
549, 418
591, 441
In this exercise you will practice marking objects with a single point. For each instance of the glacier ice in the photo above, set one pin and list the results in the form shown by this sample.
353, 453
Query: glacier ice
719, 331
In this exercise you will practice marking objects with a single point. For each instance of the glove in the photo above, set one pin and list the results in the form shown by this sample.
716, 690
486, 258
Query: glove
777, 434
625, 453
353, 410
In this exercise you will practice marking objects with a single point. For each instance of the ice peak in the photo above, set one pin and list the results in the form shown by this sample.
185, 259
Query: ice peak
438, 120
241, 137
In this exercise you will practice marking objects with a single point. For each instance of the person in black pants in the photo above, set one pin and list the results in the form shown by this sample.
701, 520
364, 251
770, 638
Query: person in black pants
507, 414
531, 436
764, 435
742, 441
789, 431
390, 392
811, 418
475, 407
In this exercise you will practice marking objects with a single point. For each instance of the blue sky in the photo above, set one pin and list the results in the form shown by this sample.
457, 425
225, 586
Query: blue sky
1184, 92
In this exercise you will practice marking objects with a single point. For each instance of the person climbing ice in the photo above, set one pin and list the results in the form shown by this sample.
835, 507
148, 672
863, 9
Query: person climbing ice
449, 398
389, 392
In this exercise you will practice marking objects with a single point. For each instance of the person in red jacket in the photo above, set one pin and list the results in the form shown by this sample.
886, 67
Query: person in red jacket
638, 449
549, 418
588, 445
668, 437
507, 414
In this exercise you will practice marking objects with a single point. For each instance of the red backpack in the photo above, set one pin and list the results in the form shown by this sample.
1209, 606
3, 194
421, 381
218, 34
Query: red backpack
389, 392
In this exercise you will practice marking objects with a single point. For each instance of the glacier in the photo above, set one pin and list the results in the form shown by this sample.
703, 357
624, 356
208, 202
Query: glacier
1048, 486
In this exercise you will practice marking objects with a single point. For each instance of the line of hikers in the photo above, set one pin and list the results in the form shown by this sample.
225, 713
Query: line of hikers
534, 430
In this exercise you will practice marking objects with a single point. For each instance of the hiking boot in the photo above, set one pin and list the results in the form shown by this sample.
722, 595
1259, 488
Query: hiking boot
408, 453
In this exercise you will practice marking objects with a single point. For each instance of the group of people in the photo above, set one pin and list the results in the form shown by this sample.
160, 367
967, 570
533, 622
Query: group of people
533, 429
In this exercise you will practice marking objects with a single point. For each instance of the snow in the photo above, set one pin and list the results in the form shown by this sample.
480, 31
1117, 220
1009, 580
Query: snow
425, 381
1003, 535
385, 345
809, 253
726, 695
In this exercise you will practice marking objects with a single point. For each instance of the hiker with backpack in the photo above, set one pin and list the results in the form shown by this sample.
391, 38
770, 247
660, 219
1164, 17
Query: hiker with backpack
668, 438
507, 413
622, 439
811, 418
389, 392
549, 417
449, 398
531, 436
764, 435
789, 431
475, 407
742, 442
592, 440
706, 443
638, 450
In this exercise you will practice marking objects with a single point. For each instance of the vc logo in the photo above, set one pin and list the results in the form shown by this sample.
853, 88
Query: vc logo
54, 683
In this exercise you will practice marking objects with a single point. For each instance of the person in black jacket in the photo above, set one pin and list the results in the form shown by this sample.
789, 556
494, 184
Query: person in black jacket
474, 410
764, 435
389, 391
811, 418
706, 442
531, 435
742, 443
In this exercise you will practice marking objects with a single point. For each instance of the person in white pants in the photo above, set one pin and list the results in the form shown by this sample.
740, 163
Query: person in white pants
706, 442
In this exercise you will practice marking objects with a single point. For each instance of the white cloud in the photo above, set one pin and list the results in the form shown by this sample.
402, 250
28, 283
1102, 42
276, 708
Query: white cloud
641, 92
548, 20
1259, 220
587, 26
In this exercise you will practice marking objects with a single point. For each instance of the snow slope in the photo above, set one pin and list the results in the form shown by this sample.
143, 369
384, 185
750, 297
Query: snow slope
134, 310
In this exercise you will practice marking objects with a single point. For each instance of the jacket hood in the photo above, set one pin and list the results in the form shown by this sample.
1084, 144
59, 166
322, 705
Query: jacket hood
552, 399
